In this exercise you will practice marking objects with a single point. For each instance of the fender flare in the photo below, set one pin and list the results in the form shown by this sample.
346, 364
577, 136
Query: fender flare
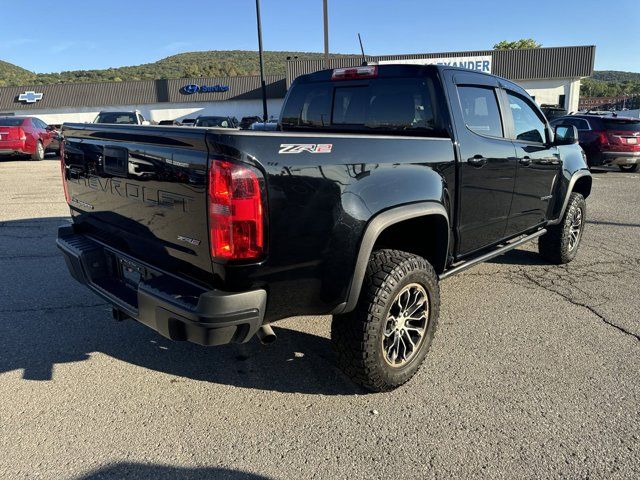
376, 226
572, 183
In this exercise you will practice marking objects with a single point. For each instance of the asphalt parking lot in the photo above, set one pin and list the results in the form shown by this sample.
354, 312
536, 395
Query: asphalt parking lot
534, 372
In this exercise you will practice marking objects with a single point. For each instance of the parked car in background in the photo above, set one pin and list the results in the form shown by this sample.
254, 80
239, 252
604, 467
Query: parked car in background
25, 136
174, 123
246, 122
122, 118
553, 111
607, 140
264, 126
188, 122
56, 139
216, 121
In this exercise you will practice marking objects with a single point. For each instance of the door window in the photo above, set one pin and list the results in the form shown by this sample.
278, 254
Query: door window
579, 123
480, 110
527, 124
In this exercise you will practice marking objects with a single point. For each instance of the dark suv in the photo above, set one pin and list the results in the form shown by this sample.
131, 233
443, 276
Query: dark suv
607, 140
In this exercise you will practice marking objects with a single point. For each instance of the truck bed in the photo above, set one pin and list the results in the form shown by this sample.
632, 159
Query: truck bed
143, 190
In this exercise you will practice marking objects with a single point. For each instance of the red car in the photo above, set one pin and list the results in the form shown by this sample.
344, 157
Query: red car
607, 140
25, 136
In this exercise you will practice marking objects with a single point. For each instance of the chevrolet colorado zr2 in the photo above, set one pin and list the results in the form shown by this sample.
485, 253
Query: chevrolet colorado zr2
379, 182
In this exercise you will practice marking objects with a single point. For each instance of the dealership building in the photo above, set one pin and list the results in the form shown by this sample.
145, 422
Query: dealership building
551, 75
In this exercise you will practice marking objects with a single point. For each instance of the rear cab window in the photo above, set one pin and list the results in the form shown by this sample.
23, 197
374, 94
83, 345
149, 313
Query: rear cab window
388, 105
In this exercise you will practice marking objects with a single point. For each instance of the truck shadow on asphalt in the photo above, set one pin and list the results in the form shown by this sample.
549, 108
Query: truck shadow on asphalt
519, 257
142, 471
47, 319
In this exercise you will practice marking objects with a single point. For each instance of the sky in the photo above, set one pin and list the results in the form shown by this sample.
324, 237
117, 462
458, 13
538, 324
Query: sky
87, 34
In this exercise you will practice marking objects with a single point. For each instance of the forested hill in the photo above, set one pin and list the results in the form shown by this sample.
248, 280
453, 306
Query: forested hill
13, 75
222, 63
611, 83
215, 63
615, 76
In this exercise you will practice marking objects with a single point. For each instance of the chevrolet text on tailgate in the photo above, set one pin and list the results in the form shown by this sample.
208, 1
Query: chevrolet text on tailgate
379, 182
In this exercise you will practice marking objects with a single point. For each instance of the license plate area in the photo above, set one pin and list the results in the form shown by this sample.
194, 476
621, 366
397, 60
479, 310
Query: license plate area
130, 272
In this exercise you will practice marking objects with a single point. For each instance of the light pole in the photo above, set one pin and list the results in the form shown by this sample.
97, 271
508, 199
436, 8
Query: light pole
262, 80
326, 33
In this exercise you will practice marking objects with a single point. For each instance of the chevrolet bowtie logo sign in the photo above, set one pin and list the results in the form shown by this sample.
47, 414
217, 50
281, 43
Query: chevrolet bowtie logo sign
30, 97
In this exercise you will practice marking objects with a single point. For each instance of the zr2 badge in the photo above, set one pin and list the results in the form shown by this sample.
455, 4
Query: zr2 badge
305, 147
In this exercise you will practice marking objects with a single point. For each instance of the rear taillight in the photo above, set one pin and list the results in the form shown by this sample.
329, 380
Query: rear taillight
236, 211
63, 171
622, 138
16, 133
602, 139
353, 73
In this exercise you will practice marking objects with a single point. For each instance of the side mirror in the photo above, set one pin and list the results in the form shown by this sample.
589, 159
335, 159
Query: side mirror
565, 135
146, 122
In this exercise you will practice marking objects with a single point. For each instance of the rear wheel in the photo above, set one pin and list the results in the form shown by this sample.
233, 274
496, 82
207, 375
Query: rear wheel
383, 342
628, 168
560, 243
38, 155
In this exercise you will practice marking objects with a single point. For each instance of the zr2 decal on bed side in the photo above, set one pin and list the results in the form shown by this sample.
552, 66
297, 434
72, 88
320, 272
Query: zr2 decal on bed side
305, 147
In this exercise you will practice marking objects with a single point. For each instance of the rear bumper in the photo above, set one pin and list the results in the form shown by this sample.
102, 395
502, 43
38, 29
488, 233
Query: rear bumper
176, 308
17, 151
621, 158
10, 147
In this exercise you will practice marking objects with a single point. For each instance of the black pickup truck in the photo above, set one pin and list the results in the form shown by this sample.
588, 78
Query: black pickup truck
379, 182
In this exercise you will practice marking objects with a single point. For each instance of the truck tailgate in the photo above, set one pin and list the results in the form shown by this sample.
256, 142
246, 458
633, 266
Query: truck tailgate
141, 190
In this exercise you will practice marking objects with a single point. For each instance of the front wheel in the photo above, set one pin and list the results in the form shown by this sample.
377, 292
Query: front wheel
628, 168
560, 244
38, 155
383, 342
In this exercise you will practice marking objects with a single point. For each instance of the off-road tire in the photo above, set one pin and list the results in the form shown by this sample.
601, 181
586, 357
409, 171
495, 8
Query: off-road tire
628, 168
554, 246
357, 336
38, 154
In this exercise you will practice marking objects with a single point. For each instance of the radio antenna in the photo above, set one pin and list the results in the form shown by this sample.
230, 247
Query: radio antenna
364, 58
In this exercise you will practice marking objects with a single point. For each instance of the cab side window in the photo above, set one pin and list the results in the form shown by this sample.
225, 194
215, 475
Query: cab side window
480, 110
579, 123
527, 124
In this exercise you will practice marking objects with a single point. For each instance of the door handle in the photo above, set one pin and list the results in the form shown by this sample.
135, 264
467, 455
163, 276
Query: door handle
477, 161
526, 161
